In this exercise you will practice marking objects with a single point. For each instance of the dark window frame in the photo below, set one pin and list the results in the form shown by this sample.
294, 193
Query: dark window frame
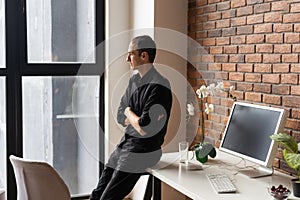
17, 67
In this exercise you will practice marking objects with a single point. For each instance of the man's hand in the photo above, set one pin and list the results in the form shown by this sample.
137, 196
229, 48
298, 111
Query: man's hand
126, 122
127, 111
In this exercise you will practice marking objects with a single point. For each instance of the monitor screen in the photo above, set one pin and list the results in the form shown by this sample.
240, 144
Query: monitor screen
248, 132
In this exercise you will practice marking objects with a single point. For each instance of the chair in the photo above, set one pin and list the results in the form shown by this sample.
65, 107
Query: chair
2, 194
38, 180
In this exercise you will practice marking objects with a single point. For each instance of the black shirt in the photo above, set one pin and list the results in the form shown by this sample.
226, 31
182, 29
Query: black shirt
150, 98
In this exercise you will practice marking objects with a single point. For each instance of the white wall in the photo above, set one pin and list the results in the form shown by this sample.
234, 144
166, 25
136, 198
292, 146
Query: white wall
142, 17
166, 22
125, 19
172, 16
117, 22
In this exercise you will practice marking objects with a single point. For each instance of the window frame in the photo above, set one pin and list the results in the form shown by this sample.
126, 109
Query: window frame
17, 66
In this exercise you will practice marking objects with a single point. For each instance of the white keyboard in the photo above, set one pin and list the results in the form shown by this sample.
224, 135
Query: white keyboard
221, 183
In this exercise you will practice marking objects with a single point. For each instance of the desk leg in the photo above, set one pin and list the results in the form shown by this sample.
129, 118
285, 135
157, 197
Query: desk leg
149, 189
156, 189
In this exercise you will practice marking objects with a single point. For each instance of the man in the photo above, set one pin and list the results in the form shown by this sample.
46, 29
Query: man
144, 110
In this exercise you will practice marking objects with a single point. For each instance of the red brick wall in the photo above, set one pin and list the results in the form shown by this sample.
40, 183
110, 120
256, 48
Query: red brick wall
253, 45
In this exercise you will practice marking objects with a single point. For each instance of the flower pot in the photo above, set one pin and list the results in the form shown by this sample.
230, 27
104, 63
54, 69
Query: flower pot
204, 150
296, 187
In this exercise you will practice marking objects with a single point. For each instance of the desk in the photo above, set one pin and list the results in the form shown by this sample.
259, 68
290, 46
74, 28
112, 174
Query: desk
194, 184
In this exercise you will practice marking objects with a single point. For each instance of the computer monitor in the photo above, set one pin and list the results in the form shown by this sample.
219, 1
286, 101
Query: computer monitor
247, 135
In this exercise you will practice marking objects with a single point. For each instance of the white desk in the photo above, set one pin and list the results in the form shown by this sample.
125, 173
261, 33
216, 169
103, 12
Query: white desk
194, 184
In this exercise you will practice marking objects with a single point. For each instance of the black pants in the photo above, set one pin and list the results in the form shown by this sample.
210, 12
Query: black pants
122, 172
114, 184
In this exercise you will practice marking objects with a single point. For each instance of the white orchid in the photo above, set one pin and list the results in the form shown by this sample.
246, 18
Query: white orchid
211, 89
198, 92
231, 89
209, 108
190, 109
202, 92
205, 108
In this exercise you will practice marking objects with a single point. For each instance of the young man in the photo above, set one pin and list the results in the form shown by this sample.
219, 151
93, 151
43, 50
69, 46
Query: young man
144, 110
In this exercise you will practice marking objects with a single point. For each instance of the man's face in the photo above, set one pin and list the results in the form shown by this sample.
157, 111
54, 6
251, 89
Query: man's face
135, 60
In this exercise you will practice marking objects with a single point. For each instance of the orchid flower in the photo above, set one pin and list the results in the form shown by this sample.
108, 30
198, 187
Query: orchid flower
190, 109
205, 109
231, 89
198, 92
202, 92
209, 108
211, 89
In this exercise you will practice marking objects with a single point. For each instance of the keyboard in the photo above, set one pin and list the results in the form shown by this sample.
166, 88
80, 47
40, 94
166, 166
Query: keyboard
221, 183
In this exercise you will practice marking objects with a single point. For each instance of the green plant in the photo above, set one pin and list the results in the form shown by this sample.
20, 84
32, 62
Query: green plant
291, 153
204, 149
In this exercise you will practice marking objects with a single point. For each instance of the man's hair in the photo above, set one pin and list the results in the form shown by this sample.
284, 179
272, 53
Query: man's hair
147, 44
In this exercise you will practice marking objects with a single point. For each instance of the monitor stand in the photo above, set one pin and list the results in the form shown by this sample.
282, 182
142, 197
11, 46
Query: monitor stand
257, 172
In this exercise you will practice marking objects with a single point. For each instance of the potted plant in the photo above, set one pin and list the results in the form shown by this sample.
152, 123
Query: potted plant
291, 155
204, 149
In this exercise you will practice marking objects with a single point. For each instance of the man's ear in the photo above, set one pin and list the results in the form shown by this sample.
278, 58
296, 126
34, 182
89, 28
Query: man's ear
144, 55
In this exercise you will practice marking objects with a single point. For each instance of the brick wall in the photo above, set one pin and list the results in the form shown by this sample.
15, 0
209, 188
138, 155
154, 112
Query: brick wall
253, 45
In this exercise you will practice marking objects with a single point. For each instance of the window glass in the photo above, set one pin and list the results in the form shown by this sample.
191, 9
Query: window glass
2, 35
60, 124
2, 134
60, 31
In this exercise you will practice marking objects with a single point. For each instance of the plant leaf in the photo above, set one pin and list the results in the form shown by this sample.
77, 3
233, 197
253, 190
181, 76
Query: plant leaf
203, 160
203, 150
213, 153
292, 159
287, 141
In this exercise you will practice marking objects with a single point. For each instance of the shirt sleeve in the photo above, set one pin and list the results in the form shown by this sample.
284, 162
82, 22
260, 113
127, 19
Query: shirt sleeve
156, 111
124, 103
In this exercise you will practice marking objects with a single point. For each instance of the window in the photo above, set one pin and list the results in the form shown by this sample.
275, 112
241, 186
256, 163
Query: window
61, 31
53, 114
2, 100
2, 134
2, 35
61, 126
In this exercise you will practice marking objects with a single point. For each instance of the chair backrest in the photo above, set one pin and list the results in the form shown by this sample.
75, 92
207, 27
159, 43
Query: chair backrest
2, 194
38, 180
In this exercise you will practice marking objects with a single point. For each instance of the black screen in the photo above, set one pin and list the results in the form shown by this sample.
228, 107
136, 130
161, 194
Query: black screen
249, 129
